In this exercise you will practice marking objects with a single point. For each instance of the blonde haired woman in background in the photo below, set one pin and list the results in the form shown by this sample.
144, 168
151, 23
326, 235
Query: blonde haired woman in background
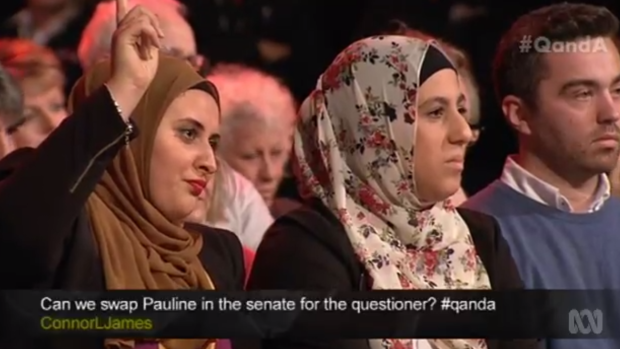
463, 65
39, 74
258, 119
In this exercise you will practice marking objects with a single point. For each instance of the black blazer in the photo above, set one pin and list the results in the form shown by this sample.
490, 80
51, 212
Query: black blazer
45, 237
308, 249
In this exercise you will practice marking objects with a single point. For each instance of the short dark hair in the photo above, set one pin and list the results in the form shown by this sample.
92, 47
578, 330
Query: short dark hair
11, 100
519, 73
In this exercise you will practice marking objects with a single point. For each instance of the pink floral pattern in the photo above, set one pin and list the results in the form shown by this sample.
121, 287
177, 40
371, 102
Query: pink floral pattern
354, 150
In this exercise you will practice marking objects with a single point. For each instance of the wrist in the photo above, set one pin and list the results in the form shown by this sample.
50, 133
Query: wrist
125, 95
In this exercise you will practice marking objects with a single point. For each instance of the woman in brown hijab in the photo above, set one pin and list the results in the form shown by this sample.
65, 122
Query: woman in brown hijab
100, 207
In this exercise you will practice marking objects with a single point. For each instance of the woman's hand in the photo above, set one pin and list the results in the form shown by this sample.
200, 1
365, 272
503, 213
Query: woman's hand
135, 55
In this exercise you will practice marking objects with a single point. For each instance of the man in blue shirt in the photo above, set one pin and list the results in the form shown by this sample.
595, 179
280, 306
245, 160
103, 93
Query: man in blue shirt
557, 77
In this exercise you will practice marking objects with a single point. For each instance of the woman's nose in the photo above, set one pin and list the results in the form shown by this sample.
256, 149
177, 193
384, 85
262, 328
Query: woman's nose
208, 161
460, 131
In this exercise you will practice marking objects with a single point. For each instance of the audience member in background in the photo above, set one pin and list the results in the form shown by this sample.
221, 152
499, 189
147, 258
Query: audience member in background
178, 42
41, 78
377, 159
553, 199
258, 119
56, 24
11, 108
243, 211
118, 194
463, 66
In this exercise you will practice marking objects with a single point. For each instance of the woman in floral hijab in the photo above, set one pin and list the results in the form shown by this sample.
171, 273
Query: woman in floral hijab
379, 150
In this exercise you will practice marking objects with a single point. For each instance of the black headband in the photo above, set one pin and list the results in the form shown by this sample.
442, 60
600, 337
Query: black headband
434, 61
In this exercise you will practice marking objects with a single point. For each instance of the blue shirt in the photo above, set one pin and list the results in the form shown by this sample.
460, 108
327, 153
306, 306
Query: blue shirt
556, 249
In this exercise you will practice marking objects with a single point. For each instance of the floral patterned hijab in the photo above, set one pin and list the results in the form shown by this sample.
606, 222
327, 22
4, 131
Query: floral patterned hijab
354, 148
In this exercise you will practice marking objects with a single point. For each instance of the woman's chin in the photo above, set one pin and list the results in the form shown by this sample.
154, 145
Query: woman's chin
189, 211
198, 215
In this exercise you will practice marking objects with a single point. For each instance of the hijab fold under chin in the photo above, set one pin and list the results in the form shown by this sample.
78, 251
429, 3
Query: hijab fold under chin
139, 247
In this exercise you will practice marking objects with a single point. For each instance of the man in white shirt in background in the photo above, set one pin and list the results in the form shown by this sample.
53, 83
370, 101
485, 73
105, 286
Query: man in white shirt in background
259, 116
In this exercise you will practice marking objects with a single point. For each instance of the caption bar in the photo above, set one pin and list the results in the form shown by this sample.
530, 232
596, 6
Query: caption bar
272, 314
223, 304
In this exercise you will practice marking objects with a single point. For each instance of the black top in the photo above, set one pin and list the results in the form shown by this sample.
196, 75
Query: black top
308, 249
46, 241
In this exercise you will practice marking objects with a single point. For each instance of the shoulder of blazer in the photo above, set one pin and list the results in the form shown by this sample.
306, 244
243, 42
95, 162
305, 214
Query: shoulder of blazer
487, 238
483, 227
318, 223
221, 255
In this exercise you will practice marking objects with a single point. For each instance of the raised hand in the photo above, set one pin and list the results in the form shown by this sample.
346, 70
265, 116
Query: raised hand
135, 53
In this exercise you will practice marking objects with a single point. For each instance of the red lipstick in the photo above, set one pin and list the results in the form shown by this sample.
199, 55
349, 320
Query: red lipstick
197, 186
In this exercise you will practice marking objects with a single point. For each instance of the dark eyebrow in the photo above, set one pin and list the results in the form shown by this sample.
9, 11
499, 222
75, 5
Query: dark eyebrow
585, 83
443, 100
440, 100
578, 83
194, 123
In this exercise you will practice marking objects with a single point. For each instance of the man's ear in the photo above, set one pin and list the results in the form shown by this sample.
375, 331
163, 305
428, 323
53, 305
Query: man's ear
517, 114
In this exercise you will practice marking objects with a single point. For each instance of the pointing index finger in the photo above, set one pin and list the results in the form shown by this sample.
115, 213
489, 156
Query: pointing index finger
121, 10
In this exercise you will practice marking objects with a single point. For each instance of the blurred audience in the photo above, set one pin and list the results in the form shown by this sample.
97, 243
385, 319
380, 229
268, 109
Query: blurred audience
56, 24
41, 78
179, 40
258, 119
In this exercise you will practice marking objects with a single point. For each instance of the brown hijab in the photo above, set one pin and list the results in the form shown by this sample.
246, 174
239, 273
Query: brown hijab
139, 247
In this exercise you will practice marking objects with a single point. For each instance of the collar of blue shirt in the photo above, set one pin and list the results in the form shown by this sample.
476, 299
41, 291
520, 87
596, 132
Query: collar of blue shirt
536, 189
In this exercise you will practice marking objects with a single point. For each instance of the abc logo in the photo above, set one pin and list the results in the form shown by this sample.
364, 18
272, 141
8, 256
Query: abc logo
585, 321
